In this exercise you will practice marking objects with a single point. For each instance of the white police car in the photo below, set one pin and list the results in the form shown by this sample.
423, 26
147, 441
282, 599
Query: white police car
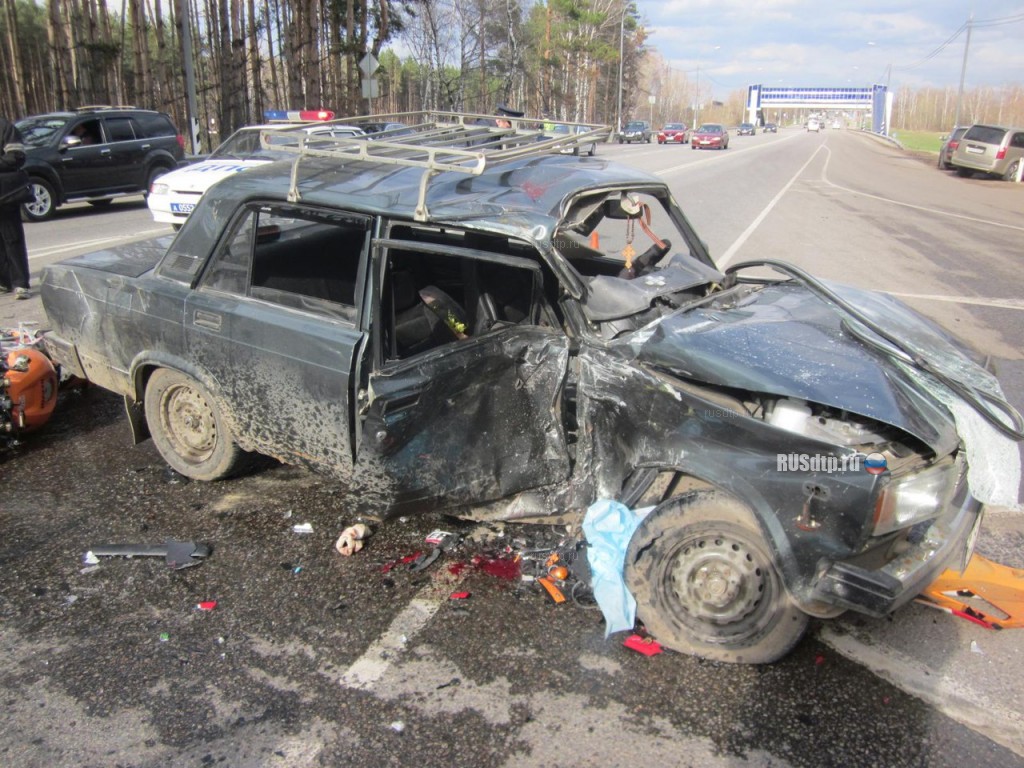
173, 196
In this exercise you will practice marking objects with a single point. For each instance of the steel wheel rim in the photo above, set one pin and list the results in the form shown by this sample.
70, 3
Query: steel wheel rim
719, 585
189, 423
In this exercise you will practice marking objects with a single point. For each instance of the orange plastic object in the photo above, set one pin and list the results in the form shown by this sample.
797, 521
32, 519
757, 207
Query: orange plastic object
559, 572
1000, 586
555, 592
32, 388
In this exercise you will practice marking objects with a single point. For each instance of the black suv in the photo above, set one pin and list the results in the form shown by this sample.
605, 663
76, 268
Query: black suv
96, 154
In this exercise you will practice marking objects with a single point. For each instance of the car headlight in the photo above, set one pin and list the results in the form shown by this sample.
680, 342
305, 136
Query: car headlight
159, 189
913, 498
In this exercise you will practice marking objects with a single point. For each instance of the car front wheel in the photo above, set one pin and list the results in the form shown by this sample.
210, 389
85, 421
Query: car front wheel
45, 203
188, 429
705, 582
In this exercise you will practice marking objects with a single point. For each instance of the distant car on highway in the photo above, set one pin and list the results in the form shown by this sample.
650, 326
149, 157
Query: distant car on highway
770, 128
173, 195
672, 133
813, 125
573, 149
949, 145
636, 130
746, 129
710, 136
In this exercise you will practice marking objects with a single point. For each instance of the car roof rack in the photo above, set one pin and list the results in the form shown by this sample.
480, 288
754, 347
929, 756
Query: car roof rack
100, 107
462, 142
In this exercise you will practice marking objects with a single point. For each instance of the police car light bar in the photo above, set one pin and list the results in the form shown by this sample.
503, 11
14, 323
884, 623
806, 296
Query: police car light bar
297, 115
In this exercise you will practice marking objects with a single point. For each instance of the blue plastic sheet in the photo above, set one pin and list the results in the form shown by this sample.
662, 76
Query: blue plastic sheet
608, 526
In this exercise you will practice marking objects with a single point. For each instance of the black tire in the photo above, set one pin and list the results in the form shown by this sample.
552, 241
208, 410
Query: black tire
188, 429
620, 141
705, 582
175, 227
963, 173
1011, 172
593, 150
576, 151
45, 203
693, 146
100, 203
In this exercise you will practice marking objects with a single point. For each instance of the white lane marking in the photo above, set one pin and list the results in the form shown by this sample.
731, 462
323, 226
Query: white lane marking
738, 243
730, 153
926, 209
371, 666
982, 302
85, 245
958, 702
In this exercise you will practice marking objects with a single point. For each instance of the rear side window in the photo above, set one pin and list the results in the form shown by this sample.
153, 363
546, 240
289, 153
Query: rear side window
120, 129
154, 124
1018, 140
986, 134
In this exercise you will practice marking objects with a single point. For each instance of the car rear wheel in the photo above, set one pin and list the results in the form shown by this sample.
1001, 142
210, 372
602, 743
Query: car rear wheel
964, 172
705, 582
45, 203
1011, 172
188, 428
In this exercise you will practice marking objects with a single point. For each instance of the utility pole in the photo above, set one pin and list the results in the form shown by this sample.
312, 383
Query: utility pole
190, 79
963, 69
696, 101
618, 113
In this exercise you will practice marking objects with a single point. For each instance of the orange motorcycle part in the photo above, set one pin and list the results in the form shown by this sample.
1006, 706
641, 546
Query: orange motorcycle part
31, 387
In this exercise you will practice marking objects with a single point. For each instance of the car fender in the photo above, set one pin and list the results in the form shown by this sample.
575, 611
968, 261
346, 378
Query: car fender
143, 366
45, 171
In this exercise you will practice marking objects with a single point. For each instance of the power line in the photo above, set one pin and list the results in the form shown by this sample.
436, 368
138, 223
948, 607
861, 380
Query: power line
1000, 21
938, 50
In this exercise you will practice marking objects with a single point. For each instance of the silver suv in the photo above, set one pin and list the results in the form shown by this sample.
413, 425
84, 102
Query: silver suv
990, 149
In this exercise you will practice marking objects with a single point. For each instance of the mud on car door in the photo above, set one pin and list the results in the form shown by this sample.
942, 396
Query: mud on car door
462, 399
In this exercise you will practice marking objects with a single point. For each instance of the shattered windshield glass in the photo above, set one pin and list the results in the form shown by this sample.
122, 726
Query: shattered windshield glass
632, 257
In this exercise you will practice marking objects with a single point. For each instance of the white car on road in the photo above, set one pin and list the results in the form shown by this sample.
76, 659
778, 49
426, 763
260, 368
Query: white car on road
813, 125
173, 196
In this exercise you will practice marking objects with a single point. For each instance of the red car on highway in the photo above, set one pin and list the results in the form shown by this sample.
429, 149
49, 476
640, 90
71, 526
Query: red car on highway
672, 133
710, 136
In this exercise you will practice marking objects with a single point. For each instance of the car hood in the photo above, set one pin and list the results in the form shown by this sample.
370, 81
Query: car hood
782, 340
201, 176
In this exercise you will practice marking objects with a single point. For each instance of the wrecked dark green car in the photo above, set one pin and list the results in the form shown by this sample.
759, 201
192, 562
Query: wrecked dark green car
511, 334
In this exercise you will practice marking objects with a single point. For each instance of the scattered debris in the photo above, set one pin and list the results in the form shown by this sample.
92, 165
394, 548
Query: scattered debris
90, 558
999, 587
351, 539
458, 596
178, 554
648, 646
975, 648
206, 605
164, 637
302, 528
397, 726
424, 561
555, 592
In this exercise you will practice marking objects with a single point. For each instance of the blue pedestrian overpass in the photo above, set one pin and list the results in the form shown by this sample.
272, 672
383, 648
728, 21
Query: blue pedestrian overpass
874, 99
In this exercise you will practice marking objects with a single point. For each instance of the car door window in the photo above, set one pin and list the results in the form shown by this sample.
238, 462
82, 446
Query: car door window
295, 258
119, 129
436, 294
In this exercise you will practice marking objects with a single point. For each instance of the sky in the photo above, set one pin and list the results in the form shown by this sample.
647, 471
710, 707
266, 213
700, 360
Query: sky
838, 43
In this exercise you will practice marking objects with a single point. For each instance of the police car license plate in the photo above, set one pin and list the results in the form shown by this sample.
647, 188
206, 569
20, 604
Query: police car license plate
182, 207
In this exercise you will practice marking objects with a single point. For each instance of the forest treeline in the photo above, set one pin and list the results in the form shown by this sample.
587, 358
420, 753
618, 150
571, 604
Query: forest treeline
560, 57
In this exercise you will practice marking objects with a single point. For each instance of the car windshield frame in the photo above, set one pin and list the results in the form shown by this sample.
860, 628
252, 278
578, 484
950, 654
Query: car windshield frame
673, 127
710, 128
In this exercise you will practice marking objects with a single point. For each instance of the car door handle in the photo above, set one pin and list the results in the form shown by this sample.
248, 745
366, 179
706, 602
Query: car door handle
104, 151
146, 146
403, 403
210, 320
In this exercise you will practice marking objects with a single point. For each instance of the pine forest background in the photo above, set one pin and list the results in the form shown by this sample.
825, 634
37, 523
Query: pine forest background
559, 57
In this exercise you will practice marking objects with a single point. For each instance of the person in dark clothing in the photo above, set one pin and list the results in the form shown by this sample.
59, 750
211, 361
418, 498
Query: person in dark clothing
13, 192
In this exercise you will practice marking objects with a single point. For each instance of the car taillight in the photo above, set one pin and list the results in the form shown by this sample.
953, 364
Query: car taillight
1001, 153
181, 141
953, 145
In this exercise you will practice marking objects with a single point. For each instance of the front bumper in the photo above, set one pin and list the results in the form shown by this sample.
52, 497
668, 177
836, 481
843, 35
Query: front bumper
934, 546
171, 208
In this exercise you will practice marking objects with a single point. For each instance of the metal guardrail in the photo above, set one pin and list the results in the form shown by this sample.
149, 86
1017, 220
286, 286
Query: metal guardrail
437, 142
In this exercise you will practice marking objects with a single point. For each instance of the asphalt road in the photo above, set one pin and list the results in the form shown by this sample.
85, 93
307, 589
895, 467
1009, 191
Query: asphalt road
310, 659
